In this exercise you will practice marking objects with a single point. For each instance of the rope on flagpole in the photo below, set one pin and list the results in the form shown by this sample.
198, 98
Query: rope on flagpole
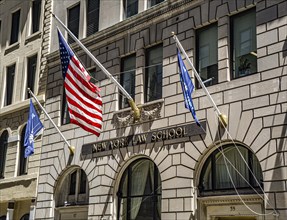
71, 148
132, 103
222, 118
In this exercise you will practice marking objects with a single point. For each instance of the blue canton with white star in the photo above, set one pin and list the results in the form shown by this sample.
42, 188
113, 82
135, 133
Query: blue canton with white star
65, 53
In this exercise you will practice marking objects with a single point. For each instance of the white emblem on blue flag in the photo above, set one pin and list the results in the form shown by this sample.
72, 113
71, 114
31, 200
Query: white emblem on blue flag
34, 125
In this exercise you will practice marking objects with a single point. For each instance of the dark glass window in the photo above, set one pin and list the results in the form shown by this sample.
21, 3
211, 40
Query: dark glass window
25, 217
3, 152
214, 177
93, 12
243, 41
73, 189
83, 182
131, 7
36, 12
96, 75
10, 75
15, 27
73, 21
207, 54
31, 74
0, 35
73, 180
23, 165
154, 2
127, 79
139, 195
153, 74
65, 112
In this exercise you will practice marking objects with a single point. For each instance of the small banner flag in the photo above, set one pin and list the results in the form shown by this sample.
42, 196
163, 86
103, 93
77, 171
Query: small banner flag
83, 98
34, 125
187, 87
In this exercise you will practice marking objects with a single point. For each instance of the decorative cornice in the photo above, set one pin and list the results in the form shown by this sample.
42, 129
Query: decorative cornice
230, 199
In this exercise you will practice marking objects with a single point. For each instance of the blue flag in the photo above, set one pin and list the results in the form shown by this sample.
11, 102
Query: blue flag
187, 87
34, 125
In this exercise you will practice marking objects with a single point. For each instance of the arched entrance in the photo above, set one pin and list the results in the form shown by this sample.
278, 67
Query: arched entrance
72, 195
223, 169
139, 193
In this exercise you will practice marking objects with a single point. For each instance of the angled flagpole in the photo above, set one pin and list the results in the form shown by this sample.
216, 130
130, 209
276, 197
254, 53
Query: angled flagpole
130, 99
223, 118
71, 148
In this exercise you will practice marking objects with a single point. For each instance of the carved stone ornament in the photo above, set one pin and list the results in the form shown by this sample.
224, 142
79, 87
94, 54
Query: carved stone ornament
150, 111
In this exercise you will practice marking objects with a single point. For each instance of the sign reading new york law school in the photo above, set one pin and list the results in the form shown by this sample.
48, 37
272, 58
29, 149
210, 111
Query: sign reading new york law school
171, 133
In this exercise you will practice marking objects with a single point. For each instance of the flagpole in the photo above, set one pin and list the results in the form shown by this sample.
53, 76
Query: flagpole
223, 118
71, 148
130, 99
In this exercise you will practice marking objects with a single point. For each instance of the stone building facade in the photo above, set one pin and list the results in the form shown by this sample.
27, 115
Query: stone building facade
22, 56
164, 166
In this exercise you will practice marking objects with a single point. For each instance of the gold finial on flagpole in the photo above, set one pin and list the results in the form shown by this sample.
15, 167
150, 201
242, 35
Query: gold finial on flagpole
72, 150
223, 119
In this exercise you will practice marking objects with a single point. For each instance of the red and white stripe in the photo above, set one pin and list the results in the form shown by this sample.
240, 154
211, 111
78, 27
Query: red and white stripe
83, 98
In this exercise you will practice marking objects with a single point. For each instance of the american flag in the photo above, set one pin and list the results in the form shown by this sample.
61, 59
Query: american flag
83, 98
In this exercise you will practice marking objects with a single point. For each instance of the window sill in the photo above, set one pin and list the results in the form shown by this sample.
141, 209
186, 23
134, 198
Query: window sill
11, 48
33, 37
149, 111
19, 106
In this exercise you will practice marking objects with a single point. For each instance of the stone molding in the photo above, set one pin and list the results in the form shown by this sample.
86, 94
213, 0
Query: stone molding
149, 111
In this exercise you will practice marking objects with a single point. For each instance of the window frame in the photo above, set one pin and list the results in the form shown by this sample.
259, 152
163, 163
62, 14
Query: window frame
38, 16
65, 115
198, 32
0, 34
156, 194
23, 162
154, 2
146, 73
233, 74
31, 85
4, 146
9, 83
16, 34
97, 19
127, 13
228, 191
76, 195
123, 102
77, 5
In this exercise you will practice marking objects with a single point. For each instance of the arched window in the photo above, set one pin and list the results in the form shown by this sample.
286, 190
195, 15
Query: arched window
214, 177
23, 165
139, 195
73, 189
3, 152
25, 217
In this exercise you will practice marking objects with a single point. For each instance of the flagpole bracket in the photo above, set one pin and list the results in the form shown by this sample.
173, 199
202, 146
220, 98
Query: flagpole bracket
136, 110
